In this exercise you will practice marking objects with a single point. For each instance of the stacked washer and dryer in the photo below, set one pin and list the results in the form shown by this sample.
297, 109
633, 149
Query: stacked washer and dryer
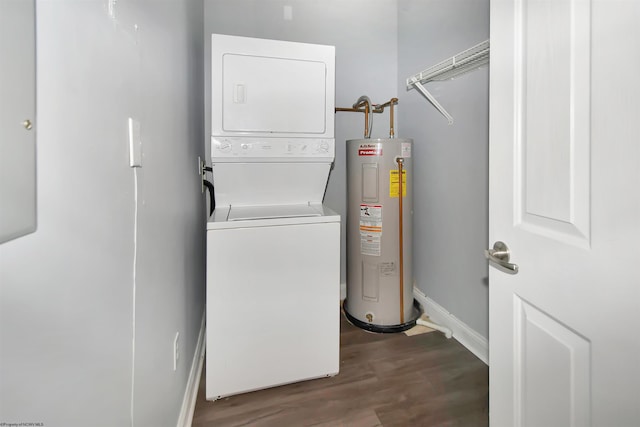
273, 248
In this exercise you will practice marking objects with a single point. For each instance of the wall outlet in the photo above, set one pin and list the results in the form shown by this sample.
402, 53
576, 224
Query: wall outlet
176, 351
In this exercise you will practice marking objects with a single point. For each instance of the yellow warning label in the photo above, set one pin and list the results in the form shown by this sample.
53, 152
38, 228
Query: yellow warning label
394, 183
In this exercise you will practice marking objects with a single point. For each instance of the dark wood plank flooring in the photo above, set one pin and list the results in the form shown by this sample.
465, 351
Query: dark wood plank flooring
385, 380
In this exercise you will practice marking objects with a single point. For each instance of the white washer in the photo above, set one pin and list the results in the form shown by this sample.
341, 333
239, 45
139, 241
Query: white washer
273, 249
273, 270
273, 297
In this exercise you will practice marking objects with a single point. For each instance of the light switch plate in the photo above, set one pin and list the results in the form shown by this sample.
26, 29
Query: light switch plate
288, 13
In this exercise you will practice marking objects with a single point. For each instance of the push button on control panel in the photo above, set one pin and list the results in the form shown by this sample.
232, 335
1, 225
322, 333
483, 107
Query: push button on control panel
223, 146
323, 147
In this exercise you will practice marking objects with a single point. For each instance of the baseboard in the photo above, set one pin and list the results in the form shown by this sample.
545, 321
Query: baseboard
343, 291
191, 392
473, 341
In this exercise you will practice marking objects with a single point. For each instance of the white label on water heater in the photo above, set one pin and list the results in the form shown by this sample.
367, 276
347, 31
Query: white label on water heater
405, 150
370, 229
370, 245
388, 269
370, 219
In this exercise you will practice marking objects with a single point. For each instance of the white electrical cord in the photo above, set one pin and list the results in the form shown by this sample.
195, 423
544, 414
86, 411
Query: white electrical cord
135, 269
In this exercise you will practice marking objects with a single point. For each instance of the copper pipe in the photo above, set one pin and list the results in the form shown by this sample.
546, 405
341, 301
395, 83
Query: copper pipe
392, 134
390, 104
357, 110
370, 109
392, 101
366, 112
367, 104
400, 162
366, 121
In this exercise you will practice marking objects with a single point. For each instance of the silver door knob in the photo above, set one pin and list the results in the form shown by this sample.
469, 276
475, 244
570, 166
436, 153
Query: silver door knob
499, 256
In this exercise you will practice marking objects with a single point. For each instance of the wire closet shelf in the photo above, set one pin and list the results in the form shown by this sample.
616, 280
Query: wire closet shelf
461, 63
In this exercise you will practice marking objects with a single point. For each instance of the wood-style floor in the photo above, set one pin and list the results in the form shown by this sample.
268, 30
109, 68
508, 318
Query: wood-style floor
384, 380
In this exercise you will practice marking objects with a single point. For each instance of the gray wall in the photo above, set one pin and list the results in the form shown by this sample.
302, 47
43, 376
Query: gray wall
364, 33
68, 302
451, 162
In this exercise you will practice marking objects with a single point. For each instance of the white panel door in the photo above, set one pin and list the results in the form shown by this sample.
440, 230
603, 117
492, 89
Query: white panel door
565, 198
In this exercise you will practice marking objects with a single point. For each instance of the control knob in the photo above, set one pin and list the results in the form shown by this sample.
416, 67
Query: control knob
224, 146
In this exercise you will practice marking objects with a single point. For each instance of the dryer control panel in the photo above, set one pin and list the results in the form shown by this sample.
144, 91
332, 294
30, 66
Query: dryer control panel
229, 149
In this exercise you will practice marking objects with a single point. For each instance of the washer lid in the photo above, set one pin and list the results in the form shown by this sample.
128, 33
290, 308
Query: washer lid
242, 213
227, 217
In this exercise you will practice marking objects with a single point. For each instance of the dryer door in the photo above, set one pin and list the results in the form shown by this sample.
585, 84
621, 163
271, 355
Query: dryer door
279, 95
271, 88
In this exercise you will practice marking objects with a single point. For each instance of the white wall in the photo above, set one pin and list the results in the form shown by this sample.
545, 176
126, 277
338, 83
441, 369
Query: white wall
364, 33
67, 291
451, 162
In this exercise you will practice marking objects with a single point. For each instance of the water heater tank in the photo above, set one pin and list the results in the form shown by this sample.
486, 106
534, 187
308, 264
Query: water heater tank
377, 299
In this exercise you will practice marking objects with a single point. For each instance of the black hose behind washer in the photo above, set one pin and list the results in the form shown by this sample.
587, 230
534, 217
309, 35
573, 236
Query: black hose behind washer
212, 196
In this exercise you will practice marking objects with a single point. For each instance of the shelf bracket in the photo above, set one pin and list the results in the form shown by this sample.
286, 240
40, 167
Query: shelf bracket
433, 100
465, 61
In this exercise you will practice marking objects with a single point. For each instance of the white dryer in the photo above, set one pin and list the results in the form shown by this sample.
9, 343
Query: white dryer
273, 248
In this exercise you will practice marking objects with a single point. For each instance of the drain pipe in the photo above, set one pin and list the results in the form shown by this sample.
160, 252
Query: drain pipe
446, 331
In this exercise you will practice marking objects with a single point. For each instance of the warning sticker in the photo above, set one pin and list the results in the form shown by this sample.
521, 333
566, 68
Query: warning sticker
394, 183
405, 149
370, 219
370, 245
370, 150
370, 229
